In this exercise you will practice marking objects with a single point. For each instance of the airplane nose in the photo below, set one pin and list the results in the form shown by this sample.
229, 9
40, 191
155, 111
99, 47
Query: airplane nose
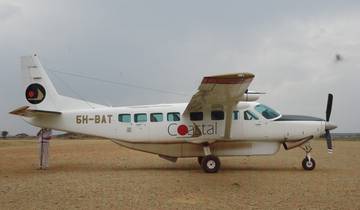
330, 126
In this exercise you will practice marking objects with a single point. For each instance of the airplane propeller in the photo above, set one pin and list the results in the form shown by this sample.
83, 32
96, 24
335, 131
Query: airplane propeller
329, 106
328, 125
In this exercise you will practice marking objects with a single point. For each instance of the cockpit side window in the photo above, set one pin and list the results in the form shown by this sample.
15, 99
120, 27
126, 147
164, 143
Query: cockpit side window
249, 115
266, 112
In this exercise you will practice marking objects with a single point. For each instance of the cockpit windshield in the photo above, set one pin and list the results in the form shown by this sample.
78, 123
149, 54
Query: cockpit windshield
266, 112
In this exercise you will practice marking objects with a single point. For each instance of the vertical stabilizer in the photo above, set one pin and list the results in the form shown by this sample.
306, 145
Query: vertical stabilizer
40, 93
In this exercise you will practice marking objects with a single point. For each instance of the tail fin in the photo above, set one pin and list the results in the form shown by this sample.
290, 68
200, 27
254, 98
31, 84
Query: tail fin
40, 92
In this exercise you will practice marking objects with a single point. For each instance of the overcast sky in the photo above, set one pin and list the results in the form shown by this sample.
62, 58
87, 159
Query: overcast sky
289, 45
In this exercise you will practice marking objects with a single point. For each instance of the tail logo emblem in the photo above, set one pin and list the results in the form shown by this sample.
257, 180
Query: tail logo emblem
35, 93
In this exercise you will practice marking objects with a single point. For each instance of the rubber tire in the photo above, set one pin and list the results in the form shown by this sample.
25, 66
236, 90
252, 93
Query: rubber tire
206, 162
305, 163
199, 159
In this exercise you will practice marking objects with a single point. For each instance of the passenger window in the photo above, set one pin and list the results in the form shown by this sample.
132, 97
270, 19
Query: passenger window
249, 115
140, 117
235, 115
124, 118
196, 116
156, 117
173, 116
217, 115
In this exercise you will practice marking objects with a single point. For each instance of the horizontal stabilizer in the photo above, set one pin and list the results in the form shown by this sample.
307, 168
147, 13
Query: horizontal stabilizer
26, 112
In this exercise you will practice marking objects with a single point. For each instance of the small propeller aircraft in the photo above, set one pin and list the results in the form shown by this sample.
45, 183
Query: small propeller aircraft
222, 119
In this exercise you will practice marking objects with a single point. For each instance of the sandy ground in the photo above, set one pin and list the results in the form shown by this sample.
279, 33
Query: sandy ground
97, 174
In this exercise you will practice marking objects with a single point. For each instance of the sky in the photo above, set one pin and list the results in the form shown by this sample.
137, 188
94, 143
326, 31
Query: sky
290, 46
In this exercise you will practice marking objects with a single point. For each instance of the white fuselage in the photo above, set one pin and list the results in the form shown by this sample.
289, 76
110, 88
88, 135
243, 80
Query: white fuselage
262, 135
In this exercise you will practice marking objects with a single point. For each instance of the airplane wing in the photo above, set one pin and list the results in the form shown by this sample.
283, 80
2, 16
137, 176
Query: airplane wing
26, 112
223, 91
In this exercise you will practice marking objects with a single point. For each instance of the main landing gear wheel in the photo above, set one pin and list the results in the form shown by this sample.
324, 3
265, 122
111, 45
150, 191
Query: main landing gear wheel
308, 164
199, 159
210, 164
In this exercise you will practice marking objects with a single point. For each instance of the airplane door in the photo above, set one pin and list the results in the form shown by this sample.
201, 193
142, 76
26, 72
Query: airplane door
125, 126
253, 126
140, 127
158, 126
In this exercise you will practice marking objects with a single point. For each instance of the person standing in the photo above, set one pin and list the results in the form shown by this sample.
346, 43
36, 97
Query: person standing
44, 142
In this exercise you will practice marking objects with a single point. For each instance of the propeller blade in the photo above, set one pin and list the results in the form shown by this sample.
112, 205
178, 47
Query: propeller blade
328, 141
329, 106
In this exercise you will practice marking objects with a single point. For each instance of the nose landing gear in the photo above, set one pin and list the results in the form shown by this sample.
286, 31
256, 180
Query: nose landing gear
308, 163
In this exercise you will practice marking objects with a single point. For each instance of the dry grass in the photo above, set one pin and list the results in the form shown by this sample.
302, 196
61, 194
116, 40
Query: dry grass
97, 174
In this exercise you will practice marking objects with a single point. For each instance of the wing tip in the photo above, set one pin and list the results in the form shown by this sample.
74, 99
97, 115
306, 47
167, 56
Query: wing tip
234, 78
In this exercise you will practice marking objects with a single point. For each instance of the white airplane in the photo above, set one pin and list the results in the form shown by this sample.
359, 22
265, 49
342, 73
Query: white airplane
221, 119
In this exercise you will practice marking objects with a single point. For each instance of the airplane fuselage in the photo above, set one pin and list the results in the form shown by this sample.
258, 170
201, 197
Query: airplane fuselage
105, 123
162, 135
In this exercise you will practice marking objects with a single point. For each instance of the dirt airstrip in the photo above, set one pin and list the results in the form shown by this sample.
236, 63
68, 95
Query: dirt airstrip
97, 174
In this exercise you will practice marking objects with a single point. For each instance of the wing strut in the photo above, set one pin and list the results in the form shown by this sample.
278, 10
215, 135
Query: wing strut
228, 120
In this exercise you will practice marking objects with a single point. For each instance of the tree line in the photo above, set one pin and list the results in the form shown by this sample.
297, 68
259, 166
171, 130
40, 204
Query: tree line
4, 134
